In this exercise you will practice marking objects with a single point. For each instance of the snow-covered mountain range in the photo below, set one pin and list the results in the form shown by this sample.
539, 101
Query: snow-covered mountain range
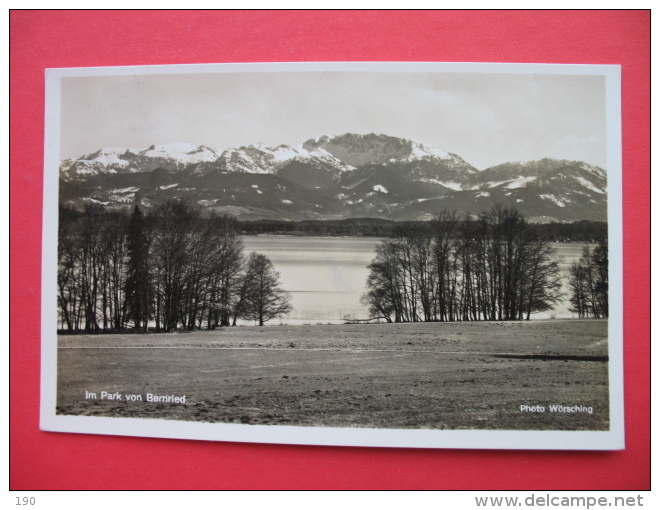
343, 176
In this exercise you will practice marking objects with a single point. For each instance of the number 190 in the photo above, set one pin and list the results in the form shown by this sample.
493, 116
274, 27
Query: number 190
25, 501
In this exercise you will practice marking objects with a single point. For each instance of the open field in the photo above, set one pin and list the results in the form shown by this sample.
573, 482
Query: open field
425, 375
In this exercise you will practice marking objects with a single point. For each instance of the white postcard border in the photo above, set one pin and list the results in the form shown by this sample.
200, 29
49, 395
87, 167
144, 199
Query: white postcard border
482, 439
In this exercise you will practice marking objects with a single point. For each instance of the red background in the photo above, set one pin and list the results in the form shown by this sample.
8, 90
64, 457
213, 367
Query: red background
41, 39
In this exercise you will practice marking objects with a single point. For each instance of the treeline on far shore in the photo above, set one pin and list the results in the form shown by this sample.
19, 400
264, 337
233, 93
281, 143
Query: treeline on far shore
583, 231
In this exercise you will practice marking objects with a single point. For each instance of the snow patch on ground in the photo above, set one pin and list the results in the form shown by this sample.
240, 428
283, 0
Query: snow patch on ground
456, 186
594, 169
287, 152
182, 152
419, 150
93, 200
520, 182
589, 185
107, 158
169, 186
427, 199
124, 190
84, 167
123, 198
380, 188
558, 202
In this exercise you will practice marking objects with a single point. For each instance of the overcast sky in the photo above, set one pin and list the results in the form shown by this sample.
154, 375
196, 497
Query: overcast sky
487, 119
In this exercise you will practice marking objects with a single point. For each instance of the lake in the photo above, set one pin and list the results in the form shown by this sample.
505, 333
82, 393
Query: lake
326, 276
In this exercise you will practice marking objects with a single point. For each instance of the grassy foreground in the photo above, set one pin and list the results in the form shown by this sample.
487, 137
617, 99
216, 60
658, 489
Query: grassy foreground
426, 375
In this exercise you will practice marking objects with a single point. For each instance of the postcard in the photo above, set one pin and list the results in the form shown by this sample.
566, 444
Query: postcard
423, 255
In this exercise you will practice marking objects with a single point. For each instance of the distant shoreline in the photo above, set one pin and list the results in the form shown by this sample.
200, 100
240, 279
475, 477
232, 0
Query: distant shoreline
584, 231
131, 331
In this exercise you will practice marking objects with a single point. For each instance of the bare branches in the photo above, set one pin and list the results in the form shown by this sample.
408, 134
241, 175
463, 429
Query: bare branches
173, 268
589, 283
262, 299
494, 268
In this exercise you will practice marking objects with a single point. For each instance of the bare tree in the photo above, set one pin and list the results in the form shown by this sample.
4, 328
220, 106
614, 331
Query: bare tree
445, 259
264, 299
384, 295
68, 285
222, 259
114, 229
138, 283
589, 283
91, 257
541, 284
175, 228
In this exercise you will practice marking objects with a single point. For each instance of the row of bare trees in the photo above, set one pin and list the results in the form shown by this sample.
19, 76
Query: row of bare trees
588, 282
173, 268
491, 268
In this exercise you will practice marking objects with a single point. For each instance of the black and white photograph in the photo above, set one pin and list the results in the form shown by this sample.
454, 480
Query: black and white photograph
365, 254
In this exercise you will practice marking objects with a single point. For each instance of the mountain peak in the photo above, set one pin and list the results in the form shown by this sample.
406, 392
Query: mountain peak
372, 148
